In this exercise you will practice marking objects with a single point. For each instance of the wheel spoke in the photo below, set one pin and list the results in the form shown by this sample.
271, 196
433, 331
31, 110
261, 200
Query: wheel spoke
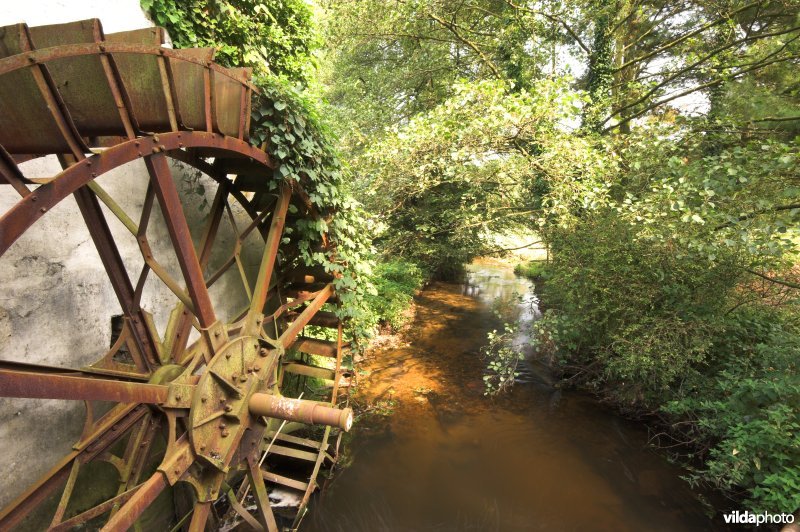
200, 516
206, 247
30, 381
260, 492
96, 511
133, 508
109, 430
112, 262
302, 320
168, 199
268, 260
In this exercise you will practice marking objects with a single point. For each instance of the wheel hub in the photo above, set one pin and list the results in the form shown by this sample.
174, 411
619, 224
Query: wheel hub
219, 414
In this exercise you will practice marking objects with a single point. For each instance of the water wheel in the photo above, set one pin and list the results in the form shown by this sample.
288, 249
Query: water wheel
199, 407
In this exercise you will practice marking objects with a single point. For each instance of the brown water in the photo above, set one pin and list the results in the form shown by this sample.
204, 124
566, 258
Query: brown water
435, 454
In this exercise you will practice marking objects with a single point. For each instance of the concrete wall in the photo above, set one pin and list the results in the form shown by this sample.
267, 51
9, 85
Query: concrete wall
56, 302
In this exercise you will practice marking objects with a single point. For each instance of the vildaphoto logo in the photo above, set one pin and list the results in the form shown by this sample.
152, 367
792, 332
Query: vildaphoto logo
749, 518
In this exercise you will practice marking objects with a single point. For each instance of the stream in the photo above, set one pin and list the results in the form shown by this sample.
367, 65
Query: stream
433, 453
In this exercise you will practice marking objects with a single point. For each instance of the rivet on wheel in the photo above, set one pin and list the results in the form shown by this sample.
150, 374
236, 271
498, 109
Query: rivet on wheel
225, 433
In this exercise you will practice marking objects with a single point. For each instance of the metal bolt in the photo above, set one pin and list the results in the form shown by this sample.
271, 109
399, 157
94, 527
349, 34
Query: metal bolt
203, 399
32, 58
163, 148
228, 408
136, 143
263, 351
216, 333
202, 447
225, 433
34, 198
155, 138
222, 425
43, 209
88, 162
243, 378
155, 149
177, 397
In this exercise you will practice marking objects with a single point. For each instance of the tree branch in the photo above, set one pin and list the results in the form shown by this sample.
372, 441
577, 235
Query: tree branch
689, 35
553, 18
773, 280
748, 216
454, 31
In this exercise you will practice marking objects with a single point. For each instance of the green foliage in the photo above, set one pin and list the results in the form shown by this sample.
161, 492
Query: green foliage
502, 360
270, 37
463, 119
299, 143
277, 40
535, 270
448, 179
650, 294
395, 283
747, 411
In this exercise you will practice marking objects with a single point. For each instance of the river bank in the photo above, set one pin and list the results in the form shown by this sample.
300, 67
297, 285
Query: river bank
432, 452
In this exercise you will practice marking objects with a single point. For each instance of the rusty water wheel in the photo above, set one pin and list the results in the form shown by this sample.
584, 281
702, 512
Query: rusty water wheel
196, 406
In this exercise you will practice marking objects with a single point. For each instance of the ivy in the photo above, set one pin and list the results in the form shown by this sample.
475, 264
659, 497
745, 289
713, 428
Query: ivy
277, 40
270, 37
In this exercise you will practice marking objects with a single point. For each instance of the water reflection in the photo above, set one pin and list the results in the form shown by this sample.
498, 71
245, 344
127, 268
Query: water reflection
448, 458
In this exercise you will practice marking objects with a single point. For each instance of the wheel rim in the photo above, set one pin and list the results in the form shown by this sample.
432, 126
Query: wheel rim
195, 393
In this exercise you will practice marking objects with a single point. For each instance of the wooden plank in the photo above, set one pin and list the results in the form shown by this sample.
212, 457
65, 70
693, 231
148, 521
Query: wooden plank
314, 346
294, 453
313, 444
285, 481
310, 371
